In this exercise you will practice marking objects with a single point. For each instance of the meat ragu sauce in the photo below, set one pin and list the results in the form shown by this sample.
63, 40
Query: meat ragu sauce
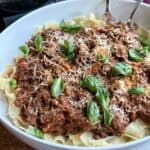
67, 113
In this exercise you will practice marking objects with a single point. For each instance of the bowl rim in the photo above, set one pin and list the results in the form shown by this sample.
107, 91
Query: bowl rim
13, 128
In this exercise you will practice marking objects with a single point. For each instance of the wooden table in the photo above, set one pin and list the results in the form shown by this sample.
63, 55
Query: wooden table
9, 142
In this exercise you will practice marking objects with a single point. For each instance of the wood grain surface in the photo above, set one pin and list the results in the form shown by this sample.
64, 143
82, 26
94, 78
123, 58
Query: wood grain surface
9, 142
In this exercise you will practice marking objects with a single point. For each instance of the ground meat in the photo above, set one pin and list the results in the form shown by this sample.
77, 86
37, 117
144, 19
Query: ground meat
145, 115
118, 124
67, 114
120, 51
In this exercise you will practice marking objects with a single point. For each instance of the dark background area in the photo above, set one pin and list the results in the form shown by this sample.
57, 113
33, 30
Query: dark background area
11, 10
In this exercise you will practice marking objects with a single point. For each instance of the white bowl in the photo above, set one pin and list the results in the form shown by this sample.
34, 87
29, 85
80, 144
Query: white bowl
21, 30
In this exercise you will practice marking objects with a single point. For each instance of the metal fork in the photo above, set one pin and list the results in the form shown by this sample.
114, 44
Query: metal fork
109, 18
107, 15
135, 9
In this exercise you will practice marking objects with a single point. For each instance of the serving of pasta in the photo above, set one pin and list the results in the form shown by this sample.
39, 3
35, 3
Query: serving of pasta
83, 82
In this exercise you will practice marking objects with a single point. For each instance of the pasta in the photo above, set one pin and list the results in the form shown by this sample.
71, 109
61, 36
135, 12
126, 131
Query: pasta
135, 130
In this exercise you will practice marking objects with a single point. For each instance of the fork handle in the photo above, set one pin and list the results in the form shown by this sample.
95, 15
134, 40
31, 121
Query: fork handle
107, 6
134, 10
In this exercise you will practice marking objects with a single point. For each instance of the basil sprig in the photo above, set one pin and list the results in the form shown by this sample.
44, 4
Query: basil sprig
93, 112
102, 96
144, 41
136, 90
138, 54
68, 50
71, 28
121, 69
94, 85
107, 117
91, 83
135, 55
57, 87
35, 132
25, 50
103, 58
38, 42
13, 84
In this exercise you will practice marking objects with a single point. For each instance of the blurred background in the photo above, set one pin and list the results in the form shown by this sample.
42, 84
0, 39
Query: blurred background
11, 10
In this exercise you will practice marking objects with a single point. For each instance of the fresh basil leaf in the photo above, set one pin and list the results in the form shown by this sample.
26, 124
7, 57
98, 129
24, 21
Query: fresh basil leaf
103, 58
144, 41
93, 112
136, 90
138, 54
71, 28
107, 118
102, 96
121, 69
146, 51
13, 84
135, 55
38, 42
100, 57
57, 87
91, 83
68, 50
35, 132
25, 50
106, 61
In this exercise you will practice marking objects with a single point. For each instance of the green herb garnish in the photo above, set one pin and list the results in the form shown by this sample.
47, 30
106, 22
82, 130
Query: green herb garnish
91, 83
146, 43
94, 85
38, 42
135, 55
138, 54
71, 28
103, 58
144, 40
57, 87
68, 50
25, 50
93, 112
121, 69
13, 84
35, 132
102, 96
136, 90
107, 118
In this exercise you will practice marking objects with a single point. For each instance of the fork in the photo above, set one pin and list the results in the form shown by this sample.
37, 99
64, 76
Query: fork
134, 10
107, 15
